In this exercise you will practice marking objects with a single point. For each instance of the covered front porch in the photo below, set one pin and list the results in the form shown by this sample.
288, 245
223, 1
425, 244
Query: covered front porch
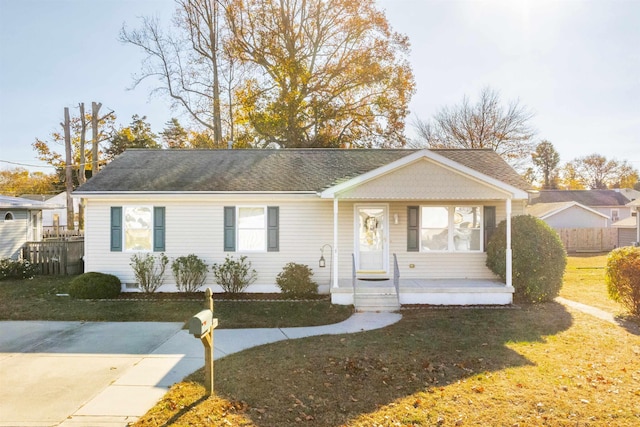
390, 294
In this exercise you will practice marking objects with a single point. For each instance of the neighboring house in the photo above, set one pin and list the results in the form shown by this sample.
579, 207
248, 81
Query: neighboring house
20, 222
612, 203
568, 215
629, 228
360, 210
53, 219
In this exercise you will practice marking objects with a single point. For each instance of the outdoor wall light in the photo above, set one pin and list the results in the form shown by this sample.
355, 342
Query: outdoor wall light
395, 218
322, 263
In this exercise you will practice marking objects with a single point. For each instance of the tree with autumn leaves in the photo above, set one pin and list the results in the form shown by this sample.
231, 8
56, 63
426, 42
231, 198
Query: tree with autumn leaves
296, 73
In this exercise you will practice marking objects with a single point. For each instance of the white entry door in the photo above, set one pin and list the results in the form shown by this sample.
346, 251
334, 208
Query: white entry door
371, 240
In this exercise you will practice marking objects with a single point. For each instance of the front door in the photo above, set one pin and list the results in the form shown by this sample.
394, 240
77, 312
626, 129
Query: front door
371, 240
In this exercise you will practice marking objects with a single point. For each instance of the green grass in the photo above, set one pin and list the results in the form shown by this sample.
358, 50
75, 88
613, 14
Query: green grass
539, 365
584, 282
37, 299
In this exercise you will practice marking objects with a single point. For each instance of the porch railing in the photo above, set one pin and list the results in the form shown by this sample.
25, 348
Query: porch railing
396, 277
353, 277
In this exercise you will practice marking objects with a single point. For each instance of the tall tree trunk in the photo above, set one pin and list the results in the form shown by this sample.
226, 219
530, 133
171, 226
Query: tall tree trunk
95, 108
82, 177
68, 175
217, 117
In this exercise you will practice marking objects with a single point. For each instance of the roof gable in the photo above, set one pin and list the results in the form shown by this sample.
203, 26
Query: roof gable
546, 210
402, 179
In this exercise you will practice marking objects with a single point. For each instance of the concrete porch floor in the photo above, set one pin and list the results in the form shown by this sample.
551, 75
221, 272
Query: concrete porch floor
429, 291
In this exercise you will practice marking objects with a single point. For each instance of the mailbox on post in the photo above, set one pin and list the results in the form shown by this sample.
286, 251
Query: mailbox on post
201, 326
201, 323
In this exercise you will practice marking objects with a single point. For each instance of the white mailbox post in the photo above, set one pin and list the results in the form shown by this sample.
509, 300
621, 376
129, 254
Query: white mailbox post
201, 326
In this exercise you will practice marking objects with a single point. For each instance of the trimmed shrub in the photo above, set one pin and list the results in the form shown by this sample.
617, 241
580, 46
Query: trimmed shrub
622, 276
539, 258
149, 275
190, 272
234, 276
95, 286
16, 269
295, 280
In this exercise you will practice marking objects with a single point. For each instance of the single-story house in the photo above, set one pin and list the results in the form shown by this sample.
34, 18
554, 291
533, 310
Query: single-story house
612, 203
629, 228
20, 222
406, 226
568, 215
55, 219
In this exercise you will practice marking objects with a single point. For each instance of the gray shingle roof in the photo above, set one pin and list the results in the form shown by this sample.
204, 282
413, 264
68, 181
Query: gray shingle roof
265, 170
584, 197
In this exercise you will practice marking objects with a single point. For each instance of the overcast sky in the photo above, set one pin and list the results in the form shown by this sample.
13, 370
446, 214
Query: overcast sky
575, 64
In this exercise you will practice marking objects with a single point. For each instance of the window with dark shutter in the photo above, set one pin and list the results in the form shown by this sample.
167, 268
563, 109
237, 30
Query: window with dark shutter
158, 229
116, 229
273, 232
413, 229
229, 228
489, 224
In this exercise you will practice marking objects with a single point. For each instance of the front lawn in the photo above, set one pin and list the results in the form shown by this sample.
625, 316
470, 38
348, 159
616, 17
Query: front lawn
538, 365
584, 282
37, 299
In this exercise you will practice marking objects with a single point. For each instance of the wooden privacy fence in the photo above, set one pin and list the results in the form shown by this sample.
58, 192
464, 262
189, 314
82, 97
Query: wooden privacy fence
55, 258
588, 239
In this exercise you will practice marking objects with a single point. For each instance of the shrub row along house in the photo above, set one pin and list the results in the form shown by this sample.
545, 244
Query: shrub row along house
378, 227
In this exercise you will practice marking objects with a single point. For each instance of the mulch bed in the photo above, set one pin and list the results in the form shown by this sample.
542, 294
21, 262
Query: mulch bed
199, 296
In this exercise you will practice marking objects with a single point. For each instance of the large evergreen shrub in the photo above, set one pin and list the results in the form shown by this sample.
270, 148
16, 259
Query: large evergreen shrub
622, 276
295, 281
539, 258
95, 286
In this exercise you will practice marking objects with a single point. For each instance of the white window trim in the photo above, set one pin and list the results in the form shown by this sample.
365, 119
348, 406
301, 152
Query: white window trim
264, 229
124, 229
451, 225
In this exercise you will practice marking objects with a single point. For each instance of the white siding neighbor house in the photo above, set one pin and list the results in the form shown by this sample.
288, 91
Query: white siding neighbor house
407, 225
20, 222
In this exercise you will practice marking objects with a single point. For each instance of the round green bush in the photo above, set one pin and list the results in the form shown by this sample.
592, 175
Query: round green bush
539, 258
295, 281
622, 276
95, 286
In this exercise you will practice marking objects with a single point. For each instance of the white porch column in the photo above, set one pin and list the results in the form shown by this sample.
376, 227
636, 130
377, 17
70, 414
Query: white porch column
334, 255
638, 224
508, 249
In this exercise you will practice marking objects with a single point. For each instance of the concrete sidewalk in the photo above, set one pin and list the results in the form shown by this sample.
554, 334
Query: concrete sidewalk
74, 374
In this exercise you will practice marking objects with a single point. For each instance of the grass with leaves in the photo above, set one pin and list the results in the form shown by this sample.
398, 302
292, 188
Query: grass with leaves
538, 365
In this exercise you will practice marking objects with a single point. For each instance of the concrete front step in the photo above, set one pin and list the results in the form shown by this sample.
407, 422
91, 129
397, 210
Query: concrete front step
372, 302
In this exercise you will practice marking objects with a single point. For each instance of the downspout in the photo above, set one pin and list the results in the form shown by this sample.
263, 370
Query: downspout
334, 260
509, 259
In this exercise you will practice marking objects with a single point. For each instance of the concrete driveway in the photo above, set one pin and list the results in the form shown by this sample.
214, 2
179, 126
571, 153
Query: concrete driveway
53, 373
73, 374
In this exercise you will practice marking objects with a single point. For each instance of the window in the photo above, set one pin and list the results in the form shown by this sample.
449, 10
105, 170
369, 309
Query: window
615, 215
450, 228
252, 232
8, 216
251, 228
137, 228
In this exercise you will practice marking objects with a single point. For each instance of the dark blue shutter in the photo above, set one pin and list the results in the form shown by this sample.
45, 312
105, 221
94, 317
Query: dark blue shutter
413, 229
116, 229
158, 229
229, 228
489, 223
273, 238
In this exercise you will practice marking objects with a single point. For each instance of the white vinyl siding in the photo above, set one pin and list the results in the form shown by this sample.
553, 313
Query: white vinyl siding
13, 233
